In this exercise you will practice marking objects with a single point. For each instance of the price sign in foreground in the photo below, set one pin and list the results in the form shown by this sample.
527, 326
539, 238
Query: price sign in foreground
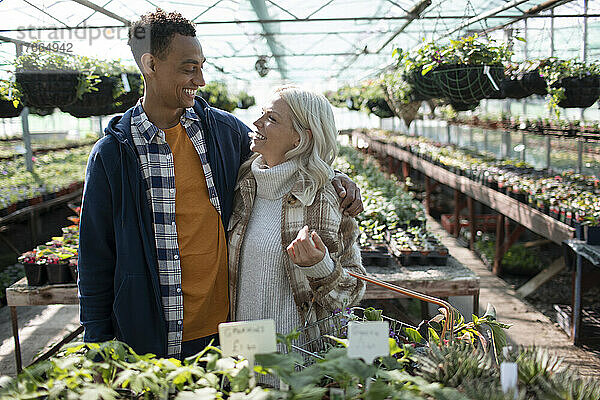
368, 340
247, 338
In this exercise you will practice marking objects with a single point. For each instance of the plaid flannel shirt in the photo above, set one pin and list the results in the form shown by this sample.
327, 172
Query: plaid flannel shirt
158, 170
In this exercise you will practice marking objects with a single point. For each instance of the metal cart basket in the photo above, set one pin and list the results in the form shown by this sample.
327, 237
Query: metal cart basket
313, 339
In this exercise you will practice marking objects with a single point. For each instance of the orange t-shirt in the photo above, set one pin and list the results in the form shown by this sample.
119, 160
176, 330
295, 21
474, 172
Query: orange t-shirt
201, 239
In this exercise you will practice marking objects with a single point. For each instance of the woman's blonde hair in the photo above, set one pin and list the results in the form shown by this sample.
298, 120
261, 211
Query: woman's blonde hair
310, 111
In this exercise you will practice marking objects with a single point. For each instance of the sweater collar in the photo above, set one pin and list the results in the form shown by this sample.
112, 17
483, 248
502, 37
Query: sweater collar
275, 182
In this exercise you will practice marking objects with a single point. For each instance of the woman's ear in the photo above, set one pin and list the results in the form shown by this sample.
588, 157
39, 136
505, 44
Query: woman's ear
148, 64
309, 132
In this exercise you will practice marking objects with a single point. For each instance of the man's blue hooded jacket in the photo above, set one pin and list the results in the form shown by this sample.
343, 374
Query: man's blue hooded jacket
119, 291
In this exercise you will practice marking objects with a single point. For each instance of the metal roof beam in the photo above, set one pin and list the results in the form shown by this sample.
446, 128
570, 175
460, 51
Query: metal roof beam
276, 21
548, 5
413, 14
102, 10
260, 8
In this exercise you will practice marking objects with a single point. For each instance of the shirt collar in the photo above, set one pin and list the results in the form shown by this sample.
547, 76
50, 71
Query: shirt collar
149, 131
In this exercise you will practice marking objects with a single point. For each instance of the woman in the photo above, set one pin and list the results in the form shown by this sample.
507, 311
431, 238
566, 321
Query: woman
290, 247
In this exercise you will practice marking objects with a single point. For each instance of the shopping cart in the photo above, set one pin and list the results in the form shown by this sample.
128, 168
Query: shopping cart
315, 338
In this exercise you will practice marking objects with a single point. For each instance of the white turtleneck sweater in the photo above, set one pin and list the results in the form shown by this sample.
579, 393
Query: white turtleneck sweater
263, 288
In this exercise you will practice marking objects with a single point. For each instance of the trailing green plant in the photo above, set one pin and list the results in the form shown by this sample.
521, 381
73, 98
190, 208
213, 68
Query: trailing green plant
555, 70
468, 50
48, 61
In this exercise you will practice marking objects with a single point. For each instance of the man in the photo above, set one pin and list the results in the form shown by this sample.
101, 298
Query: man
157, 200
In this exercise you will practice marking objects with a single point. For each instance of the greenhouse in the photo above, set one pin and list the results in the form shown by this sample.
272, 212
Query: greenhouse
319, 199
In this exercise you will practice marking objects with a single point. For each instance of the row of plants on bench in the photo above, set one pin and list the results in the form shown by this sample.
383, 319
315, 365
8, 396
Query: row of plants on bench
55, 174
54, 262
569, 197
421, 365
391, 216
11, 150
540, 126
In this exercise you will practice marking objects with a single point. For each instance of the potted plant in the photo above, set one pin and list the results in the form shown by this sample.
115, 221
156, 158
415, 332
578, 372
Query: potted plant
374, 99
399, 95
107, 87
35, 273
47, 79
245, 101
591, 228
216, 94
468, 69
571, 83
10, 106
414, 67
132, 91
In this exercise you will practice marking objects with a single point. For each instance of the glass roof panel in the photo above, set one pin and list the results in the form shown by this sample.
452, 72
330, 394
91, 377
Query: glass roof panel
315, 42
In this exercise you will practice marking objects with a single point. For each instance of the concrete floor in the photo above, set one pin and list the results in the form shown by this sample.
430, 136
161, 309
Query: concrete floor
41, 326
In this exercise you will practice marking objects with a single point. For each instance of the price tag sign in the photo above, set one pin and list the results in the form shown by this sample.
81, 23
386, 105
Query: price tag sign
368, 340
247, 338
509, 373
125, 81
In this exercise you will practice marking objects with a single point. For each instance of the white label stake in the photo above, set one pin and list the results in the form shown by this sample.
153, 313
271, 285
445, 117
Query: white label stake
247, 338
509, 373
368, 340
126, 86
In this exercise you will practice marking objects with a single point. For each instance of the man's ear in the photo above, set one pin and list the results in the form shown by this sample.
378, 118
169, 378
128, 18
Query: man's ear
148, 64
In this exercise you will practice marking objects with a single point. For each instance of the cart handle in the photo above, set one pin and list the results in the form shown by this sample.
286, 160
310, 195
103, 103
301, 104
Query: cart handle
449, 324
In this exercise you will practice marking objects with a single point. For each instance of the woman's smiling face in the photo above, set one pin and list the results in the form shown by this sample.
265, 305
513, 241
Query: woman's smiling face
275, 134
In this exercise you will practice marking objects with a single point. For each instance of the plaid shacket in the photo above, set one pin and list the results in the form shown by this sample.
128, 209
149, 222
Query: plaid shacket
158, 170
315, 298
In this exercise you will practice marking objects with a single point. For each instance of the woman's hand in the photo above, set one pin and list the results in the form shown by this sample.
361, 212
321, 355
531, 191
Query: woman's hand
307, 249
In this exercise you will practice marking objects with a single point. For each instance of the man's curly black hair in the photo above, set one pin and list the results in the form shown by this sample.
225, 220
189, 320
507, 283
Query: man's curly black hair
153, 33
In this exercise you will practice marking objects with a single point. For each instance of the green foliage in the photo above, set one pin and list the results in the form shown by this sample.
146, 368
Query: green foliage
217, 95
244, 100
469, 50
457, 363
517, 260
89, 69
387, 202
555, 70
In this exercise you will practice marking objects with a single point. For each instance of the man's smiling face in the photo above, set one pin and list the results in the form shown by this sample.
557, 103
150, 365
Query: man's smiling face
179, 75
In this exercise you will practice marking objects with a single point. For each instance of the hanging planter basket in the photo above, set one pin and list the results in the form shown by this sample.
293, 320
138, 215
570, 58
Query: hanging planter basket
94, 103
514, 89
424, 86
534, 83
468, 83
407, 111
101, 97
460, 106
8, 109
129, 99
497, 95
48, 88
580, 92
41, 111
82, 111
379, 107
